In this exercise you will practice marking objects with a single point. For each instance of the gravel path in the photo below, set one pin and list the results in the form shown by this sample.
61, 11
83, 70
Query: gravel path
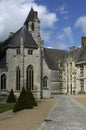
67, 114
29, 119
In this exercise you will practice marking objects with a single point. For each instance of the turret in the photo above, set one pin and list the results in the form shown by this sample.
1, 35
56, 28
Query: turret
32, 23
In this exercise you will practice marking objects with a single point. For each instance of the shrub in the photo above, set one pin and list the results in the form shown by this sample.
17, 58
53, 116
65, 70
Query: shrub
11, 97
23, 102
31, 97
82, 92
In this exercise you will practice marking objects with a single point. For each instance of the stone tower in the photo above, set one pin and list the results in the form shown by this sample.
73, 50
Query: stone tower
32, 23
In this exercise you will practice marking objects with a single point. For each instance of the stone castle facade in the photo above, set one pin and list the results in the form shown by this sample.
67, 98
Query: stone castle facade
25, 62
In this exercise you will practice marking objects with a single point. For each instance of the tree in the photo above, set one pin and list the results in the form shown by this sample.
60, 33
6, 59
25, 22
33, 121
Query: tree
23, 102
31, 97
11, 97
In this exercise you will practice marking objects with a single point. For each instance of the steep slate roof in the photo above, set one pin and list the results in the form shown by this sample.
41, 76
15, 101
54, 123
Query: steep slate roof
15, 39
2, 56
82, 55
73, 53
3, 62
76, 52
53, 57
30, 17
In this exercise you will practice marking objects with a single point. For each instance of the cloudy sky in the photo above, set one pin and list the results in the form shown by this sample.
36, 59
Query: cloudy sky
63, 22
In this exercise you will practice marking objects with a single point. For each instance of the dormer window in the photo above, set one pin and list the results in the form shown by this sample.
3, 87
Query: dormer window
32, 26
18, 51
30, 52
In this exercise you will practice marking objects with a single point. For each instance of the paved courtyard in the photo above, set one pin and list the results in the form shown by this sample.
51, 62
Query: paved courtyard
67, 114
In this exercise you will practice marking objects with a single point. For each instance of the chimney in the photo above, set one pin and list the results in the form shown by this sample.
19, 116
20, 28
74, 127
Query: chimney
83, 40
35, 14
11, 34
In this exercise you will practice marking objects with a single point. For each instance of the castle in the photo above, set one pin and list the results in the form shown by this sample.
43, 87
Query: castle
25, 62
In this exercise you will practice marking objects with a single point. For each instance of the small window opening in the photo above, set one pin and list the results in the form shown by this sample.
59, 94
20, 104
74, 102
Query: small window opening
32, 26
18, 51
30, 52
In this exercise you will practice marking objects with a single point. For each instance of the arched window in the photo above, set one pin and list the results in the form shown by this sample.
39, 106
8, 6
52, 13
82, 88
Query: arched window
3, 81
30, 77
17, 78
32, 26
45, 81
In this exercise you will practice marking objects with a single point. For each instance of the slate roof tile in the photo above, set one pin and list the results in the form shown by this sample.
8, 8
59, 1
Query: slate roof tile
15, 39
53, 57
30, 17
82, 55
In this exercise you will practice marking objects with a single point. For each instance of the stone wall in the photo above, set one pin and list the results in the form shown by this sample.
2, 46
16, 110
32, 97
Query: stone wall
14, 60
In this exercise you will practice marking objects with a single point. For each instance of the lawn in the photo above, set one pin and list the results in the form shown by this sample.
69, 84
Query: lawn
6, 106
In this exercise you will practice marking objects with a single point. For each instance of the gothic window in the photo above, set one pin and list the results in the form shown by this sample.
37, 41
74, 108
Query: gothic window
18, 51
3, 81
32, 26
30, 77
45, 81
17, 78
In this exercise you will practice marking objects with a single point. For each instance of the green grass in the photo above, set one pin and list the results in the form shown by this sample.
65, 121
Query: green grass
6, 106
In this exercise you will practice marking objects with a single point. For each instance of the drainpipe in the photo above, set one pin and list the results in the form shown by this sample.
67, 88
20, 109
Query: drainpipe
41, 70
22, 62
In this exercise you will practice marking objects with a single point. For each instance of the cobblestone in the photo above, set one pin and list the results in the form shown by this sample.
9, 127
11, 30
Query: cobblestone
67, 114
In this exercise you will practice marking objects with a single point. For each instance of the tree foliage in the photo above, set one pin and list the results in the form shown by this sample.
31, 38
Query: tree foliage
31, 97
23, 102
11, 97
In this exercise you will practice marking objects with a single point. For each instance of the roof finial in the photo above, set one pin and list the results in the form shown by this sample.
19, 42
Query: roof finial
31, 7
22, 41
